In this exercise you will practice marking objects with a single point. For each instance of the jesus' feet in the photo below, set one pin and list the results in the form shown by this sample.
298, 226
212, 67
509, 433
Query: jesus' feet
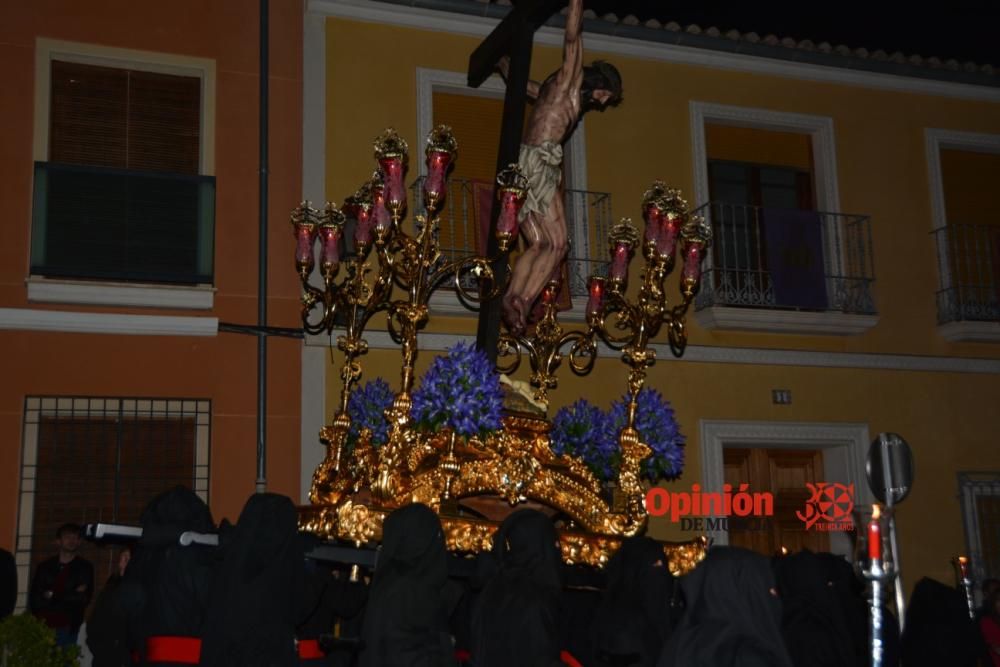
515, 313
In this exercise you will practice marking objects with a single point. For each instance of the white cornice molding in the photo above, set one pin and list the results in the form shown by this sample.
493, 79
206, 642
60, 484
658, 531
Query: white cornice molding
480, 26
784, 321
46, 290
970, 332
28, 319
380, 340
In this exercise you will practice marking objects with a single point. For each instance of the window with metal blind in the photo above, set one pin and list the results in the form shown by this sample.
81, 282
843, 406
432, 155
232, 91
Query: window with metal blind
121, 196
87, 460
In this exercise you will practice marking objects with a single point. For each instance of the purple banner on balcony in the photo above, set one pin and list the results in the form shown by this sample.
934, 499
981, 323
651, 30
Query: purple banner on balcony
795, 258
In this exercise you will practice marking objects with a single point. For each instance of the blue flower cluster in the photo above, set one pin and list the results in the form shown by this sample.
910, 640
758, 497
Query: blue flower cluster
657, 427
366, 408
581, 430
460, 391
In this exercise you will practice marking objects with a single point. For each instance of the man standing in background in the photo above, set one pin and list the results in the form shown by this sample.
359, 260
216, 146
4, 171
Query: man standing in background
62, 587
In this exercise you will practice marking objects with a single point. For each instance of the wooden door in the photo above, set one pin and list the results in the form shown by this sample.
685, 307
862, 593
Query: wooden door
784, 473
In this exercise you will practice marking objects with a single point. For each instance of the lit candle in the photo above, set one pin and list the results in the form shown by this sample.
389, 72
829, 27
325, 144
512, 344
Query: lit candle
653, 215
692, 263
963, 566
875, 535
595, 299
784, 551
393, 170
380, 214
363, 228
549, 293
667, 240
435, 184
330, 243
511, 201
305, 234
618, 272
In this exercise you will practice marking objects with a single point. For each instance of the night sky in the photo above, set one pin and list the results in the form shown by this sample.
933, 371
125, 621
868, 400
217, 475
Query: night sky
960, 30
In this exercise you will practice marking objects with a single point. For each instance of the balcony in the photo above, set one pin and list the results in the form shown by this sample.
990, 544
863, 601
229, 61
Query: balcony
968, 301
465, 226
787, 271
95, 223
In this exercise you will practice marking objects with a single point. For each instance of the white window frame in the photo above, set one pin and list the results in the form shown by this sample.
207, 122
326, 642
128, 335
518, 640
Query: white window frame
972, 485
821, 133
36, 407
936, 140
109, 293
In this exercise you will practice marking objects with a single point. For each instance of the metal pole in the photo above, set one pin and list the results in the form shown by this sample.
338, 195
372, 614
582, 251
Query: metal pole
261, 484
888, 483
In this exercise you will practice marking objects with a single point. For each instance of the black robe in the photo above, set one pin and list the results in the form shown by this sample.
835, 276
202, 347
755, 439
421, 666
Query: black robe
256, 593
732, 619
406, 620
165, 588
633, 620
938, 628
815, 622
107, 629
516, 619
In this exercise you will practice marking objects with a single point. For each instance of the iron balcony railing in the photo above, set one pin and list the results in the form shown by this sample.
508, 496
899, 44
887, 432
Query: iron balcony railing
117, 224
465, 225
788, 259
969, 273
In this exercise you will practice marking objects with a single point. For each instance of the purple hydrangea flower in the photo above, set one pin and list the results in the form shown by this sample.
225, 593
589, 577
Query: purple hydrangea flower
460, 391
366, 407
657, 427
581, 430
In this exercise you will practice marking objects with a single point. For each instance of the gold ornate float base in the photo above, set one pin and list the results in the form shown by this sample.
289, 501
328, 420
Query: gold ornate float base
353, 490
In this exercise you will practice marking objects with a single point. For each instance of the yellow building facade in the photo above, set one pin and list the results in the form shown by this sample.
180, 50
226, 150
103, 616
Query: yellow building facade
906, 155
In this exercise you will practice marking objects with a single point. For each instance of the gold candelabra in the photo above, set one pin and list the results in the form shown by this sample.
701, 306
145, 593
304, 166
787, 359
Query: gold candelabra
354, 488
544, 347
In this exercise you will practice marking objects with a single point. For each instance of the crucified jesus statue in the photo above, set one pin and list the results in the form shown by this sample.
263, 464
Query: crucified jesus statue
559, 103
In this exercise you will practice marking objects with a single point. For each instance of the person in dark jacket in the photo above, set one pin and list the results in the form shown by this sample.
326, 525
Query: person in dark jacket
165, 590
8, 584
107, 629
62, 587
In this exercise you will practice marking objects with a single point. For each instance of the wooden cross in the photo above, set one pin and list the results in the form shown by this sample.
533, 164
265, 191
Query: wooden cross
512, 37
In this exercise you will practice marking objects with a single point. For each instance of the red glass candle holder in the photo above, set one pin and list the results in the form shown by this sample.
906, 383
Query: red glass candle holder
329, 236
305, 260
511, 201
393, 173
691, 275
595, 296
654, 217
618, 272
381, 221
363, 226
666, 243
435, 185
